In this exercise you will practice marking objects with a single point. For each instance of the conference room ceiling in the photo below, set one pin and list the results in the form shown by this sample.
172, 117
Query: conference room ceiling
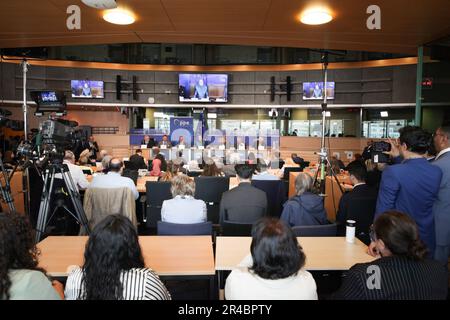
405, 24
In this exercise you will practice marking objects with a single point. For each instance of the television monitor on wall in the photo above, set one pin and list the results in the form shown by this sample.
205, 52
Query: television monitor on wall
87, 89
194, 87
314, 90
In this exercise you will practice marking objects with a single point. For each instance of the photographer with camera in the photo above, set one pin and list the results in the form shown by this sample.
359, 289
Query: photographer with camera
411, 186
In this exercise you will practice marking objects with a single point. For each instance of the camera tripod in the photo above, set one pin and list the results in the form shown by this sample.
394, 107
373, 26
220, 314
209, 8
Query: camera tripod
5, 190
323, 154
48, 192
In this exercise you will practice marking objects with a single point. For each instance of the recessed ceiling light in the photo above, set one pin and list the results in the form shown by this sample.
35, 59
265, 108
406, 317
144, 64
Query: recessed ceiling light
384, 114
118, 16
315, 16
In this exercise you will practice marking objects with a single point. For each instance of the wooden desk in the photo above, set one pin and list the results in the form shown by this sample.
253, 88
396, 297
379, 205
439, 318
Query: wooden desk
167, 255
322, 253
331, 202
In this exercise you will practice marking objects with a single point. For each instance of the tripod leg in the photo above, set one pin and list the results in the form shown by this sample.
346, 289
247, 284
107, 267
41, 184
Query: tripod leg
333, 174
74, 195
6, 190
45, 204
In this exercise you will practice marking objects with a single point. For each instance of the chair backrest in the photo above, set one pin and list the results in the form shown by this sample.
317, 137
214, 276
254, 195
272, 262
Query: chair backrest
156, 193
174, 229
291, 169
326, 230
236, 229
132, 174
194, 173
276, 195
128, 165
362, 210
210, 190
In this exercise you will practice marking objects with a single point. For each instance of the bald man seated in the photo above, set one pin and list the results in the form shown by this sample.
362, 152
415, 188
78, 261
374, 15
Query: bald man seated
113, 178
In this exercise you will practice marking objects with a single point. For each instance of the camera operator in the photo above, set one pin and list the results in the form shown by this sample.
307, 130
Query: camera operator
411, 186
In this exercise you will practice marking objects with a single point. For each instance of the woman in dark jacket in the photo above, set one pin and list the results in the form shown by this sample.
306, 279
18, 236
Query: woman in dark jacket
306, 208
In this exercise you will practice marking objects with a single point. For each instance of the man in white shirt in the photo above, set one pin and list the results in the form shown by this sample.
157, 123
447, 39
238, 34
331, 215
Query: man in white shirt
113, 179
77, 174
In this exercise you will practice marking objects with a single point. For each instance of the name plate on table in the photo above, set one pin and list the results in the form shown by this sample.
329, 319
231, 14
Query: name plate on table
181, 147
201, 147
221, 147
163, 146
143, 146
261, 148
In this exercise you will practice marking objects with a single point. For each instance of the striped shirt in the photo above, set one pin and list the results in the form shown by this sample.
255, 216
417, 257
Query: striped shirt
138, 284
399, 278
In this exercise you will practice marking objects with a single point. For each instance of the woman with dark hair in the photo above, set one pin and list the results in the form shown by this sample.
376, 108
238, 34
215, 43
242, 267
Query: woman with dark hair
276, 268
20, 276
401, 271
210, 169
159, 164
114, 268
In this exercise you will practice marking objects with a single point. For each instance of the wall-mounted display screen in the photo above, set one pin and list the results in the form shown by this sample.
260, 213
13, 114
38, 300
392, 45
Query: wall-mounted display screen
194, 87
314, 90
87, 89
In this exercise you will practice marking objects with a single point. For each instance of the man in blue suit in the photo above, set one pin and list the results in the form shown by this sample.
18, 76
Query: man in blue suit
441, 207
412, 186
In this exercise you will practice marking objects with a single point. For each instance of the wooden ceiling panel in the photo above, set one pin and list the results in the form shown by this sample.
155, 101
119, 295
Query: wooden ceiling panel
246, 22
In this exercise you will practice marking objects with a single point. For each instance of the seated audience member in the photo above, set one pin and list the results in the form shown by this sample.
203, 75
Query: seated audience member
275, 270
137, 161
113, 178
244, 203
9, 160
76, 172
210, 169
105, 163
339, 162
83, 160
20, 276
404, 272
173, 169
305, 208
157, 165
183, 208
263, 174
335, 165
362, 196
114, 268
251, 158
297, 159
102, 154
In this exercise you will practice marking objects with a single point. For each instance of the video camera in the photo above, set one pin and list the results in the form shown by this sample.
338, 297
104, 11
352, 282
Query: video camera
377, 151
53, 138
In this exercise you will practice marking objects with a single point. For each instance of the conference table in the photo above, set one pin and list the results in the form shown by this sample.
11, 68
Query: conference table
322, 253
171, 257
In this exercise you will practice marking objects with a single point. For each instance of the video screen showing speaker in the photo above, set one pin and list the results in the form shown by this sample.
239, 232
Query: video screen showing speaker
49, 101
87, 89
203, 87
314, 90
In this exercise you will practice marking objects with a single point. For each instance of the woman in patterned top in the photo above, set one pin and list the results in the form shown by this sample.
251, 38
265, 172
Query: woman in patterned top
114, 268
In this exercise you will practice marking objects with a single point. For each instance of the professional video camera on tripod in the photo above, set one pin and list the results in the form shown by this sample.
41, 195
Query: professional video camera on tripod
46, 152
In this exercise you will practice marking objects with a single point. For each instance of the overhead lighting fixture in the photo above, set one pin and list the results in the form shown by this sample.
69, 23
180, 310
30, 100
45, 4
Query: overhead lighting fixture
315, 16
327, 114
384, 114
212, 115
158, 114
118, 16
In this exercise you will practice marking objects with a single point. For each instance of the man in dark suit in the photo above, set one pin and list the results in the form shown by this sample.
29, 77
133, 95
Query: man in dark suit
137, 161
358, 204
441, 208
165, 142
244, 203
413, 185
149, 142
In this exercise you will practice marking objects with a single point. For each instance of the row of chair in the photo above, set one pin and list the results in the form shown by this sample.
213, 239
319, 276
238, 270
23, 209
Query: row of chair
230, 228
210, 190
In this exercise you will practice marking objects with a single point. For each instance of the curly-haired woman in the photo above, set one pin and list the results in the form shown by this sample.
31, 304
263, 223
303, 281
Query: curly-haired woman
113, 267
20, 276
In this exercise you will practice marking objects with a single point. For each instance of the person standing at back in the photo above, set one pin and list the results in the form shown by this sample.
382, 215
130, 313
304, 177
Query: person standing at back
441, 208
244, 203
413, 185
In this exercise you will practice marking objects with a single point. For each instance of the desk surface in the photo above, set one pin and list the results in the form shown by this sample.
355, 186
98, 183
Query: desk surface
166, 255
322, 253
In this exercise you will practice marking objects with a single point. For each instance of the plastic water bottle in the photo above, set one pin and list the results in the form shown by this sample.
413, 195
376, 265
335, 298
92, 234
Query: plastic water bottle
350, 231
